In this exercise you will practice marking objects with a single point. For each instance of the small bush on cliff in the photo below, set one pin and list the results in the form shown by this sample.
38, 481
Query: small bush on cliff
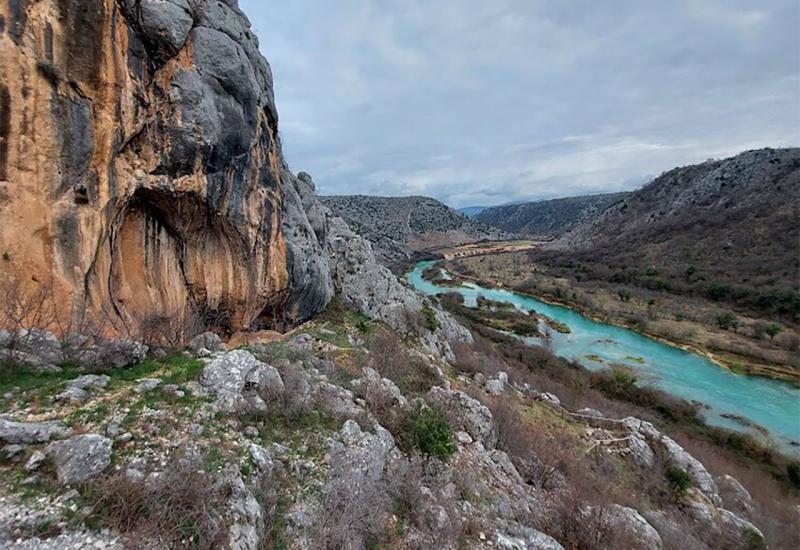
430, 318
678, 479
428, 430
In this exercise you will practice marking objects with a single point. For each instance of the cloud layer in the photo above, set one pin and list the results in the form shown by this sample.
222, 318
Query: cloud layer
482, 103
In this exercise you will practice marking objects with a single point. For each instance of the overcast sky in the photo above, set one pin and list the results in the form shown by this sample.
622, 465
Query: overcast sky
487, 102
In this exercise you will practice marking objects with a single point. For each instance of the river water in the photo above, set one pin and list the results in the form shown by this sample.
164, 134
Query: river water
773, 405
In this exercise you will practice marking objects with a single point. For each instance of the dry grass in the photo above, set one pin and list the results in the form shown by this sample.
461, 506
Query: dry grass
182, 509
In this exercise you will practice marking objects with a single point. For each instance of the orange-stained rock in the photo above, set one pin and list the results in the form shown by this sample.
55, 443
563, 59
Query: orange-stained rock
140, 168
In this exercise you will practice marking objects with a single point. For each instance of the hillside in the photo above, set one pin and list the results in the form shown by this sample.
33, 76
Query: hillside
725, 229
550, 217
472, 211
398, 227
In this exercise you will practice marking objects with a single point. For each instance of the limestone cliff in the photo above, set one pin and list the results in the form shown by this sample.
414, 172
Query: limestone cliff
139, 157
141, 173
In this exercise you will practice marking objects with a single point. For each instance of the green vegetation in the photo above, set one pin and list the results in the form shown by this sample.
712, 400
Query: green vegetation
727, 321
429, 431
793, 472
558, 326
678, 479
772, 330
430, 318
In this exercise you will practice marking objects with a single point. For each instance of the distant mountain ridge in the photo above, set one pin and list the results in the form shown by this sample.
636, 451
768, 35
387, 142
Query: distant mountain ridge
548, 217
399, 227
471, 211
727, 228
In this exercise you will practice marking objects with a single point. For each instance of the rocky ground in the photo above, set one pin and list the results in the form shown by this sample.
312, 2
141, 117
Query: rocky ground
307, 443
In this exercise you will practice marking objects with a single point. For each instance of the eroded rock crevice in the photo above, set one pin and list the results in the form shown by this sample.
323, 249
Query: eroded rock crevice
141, 163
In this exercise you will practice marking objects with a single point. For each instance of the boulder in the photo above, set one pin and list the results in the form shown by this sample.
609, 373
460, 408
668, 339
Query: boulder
634, 527
115, 355
336, 401
465, 414
242, 384
207, 340
40, 344
73, 395
31, 432
80, 457
517, 537
36, 459
146, 385
734, 494
33, 362
89, 382
373, 388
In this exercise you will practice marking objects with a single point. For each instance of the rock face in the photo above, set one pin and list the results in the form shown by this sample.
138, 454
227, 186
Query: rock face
141, 175
399, 227
327, 257
139, 158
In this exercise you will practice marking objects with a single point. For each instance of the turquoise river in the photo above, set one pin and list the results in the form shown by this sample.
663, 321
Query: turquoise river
770, 404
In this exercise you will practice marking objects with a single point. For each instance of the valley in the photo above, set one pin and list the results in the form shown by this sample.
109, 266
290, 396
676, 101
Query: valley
687, 375
742, 345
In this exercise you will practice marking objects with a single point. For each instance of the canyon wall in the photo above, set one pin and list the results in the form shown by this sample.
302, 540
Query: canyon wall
140, 165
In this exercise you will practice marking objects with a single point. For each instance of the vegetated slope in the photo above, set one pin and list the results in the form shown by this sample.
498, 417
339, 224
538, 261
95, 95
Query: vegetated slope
726, 229
400, 226
551, 217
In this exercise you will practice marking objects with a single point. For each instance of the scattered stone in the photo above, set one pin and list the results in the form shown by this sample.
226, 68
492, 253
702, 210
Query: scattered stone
80, 457
591, 412
31, 432
550, 398
73, 395
251, 432
495, 387
13, 452
36, 459
207, 341
89, 382
146, 385
261, 458
463, 438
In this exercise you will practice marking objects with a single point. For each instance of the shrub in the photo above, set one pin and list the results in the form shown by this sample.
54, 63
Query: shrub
727, 321
183, 506
430, 318
772, 330
363, 326
793, 471
718, 292
354, 510
678, 479
428, 430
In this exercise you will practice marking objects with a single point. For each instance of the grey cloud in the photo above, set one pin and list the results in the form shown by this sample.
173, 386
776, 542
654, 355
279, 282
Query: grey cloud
490, 102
